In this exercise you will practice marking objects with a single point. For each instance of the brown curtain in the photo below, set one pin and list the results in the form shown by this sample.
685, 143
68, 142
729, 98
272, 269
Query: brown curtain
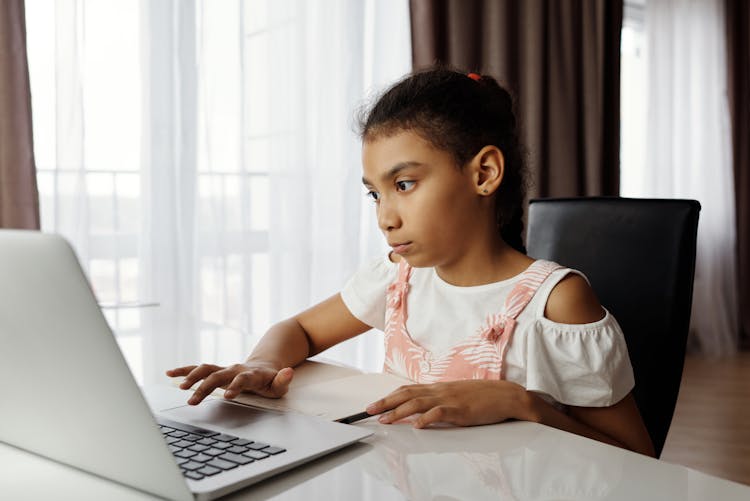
738, 65
561, 60
19, 200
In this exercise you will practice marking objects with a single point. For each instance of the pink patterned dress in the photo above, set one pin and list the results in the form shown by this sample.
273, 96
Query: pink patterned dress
479, 356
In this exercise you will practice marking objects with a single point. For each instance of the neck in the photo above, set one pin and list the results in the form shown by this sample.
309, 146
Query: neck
486, 263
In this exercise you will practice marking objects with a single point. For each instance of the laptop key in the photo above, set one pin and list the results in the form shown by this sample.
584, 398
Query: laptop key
256, 454
174, 448
171, 440
201, 458
191, 465
224, 437
166, 429
222, 445
221, 464
241, 441
186, 427
274, 450
206, 441
193, 474
198, 447
185, 454
236, 449
177, 433
235, 458
213, 452
258, 446
182, 444
208, 470
192, 437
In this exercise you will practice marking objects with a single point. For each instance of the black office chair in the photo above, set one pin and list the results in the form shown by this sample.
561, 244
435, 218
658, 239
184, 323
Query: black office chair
639, 256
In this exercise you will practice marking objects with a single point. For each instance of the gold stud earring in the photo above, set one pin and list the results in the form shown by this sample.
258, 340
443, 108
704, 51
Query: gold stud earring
484, 191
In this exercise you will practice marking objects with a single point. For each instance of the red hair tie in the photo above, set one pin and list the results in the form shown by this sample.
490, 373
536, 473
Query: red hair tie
474, 76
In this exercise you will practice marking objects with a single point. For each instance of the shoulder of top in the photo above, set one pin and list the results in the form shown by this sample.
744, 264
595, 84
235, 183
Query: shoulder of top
573, 301
381, 265
379, 261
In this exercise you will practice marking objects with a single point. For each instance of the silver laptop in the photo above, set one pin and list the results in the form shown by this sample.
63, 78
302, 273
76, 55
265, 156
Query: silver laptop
67, 394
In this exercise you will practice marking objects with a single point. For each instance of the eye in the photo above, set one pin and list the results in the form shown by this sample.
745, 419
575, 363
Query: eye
373, 195
405, 185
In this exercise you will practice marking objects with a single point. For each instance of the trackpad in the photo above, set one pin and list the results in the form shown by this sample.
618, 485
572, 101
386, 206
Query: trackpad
213, 413
284, 429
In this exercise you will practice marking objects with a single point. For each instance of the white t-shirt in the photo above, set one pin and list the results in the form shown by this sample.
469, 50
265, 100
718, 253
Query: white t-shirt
584, 365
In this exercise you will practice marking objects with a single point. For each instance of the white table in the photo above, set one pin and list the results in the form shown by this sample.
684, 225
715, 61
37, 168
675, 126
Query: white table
514, 460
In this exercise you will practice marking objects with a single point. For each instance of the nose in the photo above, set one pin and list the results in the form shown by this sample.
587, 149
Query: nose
388, 216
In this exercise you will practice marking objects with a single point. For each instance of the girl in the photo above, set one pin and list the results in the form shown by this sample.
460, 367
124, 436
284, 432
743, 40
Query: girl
486, 332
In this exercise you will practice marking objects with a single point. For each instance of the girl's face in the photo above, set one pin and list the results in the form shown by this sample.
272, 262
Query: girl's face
426, 206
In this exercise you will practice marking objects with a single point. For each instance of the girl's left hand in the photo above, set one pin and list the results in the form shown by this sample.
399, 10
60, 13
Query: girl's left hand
462, 403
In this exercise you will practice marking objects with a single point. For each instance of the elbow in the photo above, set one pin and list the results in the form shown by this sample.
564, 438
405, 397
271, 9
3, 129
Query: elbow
643, 446
647, 449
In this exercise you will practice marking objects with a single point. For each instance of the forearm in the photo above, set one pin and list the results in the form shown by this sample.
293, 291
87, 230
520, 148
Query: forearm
545, 413
288, 343
285, 344
538, 410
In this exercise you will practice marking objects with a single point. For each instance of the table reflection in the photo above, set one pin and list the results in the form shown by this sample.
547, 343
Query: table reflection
490, 463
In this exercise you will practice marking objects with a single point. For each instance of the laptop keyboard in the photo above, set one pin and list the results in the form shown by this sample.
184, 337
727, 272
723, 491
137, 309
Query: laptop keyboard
202, 453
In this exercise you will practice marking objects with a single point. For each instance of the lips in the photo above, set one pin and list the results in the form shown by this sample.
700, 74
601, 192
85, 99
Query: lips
401, 247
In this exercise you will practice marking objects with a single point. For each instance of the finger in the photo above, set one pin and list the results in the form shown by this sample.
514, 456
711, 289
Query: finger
408, 408
438, 414
200, 372
396, 398
237, 385
180, 371
215, 380
251, 380
262, 382
280, 383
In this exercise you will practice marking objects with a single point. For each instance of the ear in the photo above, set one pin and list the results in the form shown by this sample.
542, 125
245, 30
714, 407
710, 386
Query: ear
488, 167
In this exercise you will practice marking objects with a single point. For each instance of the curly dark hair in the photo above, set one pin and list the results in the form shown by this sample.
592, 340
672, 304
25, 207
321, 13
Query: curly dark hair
461, 115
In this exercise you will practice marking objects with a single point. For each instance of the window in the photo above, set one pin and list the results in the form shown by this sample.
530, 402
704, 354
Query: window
199, 158
633, 98
88, 72
86, 192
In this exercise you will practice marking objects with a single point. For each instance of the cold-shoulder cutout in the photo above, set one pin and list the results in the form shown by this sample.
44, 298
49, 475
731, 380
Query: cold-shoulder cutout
573, 301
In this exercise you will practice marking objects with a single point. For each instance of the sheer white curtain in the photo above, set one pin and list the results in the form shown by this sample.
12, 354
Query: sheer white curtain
688, 151
202, 156
351, 50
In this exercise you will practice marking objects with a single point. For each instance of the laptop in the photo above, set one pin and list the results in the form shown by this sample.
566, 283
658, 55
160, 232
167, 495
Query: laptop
68, 394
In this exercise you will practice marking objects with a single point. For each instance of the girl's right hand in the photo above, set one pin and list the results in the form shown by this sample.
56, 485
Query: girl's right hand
253, 377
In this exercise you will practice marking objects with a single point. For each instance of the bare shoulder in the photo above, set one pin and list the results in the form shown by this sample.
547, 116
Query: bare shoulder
573, 301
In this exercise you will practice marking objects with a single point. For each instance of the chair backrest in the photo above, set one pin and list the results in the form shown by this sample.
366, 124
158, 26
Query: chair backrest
639, 256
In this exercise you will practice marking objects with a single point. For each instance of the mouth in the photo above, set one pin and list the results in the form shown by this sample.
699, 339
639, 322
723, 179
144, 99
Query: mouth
401, 247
